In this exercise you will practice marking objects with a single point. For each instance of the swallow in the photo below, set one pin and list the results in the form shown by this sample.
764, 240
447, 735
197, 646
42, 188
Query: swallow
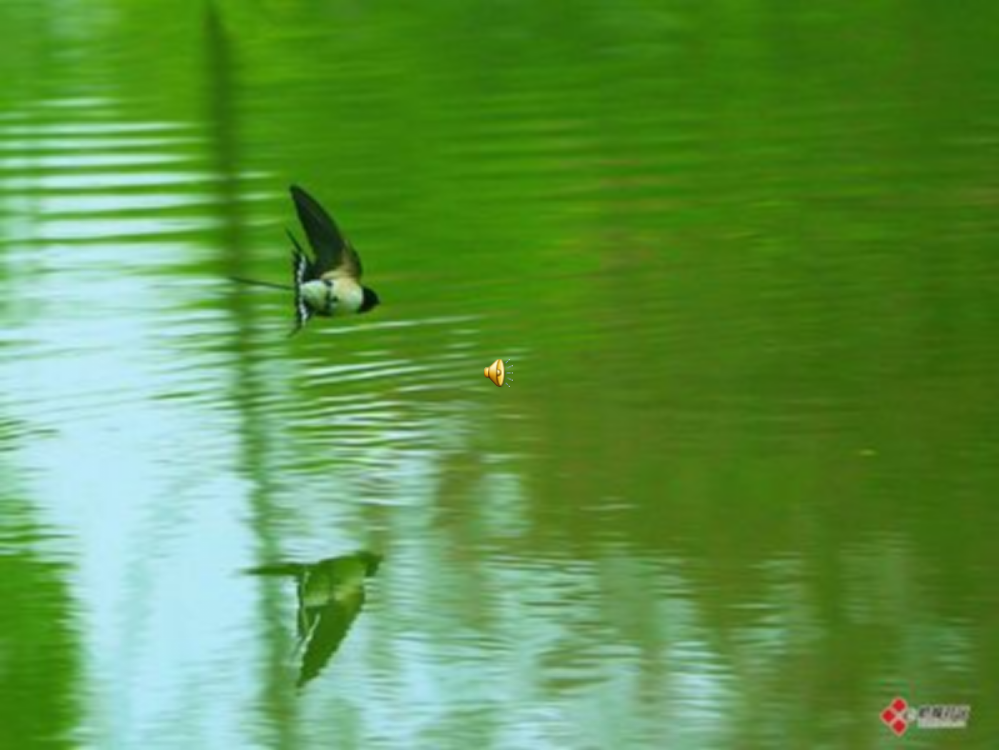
327, 283
331, 594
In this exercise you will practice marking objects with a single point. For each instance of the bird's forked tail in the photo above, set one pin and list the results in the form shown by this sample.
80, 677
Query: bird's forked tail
300, 268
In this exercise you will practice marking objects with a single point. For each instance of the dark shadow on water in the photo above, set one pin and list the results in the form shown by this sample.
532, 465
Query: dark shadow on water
331, 594
248, 386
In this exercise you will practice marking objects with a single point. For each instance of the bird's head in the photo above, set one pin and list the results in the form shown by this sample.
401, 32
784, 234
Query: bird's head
369, 301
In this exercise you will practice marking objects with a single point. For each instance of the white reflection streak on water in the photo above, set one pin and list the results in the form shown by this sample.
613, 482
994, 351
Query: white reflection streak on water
36, 145
136, 482
74, 161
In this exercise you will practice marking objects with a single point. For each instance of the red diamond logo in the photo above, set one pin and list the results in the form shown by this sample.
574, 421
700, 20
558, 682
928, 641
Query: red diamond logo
894, 716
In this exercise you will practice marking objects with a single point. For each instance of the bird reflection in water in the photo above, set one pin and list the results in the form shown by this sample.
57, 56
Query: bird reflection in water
331, 593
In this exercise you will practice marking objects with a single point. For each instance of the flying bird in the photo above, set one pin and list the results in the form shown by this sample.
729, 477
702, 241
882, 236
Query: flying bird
328, 283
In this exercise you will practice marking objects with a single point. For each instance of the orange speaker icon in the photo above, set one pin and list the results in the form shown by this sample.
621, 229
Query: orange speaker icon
496, 372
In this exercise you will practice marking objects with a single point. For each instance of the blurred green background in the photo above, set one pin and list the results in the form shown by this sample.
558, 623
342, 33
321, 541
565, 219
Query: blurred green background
741, 257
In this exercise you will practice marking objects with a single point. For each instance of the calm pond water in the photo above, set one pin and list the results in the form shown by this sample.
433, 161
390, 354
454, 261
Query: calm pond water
741, 258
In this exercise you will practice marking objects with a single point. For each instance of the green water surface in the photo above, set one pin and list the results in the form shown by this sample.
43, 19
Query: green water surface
741, 257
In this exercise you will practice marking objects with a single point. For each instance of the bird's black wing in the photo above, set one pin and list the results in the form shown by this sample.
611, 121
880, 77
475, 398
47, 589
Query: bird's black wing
333, 252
